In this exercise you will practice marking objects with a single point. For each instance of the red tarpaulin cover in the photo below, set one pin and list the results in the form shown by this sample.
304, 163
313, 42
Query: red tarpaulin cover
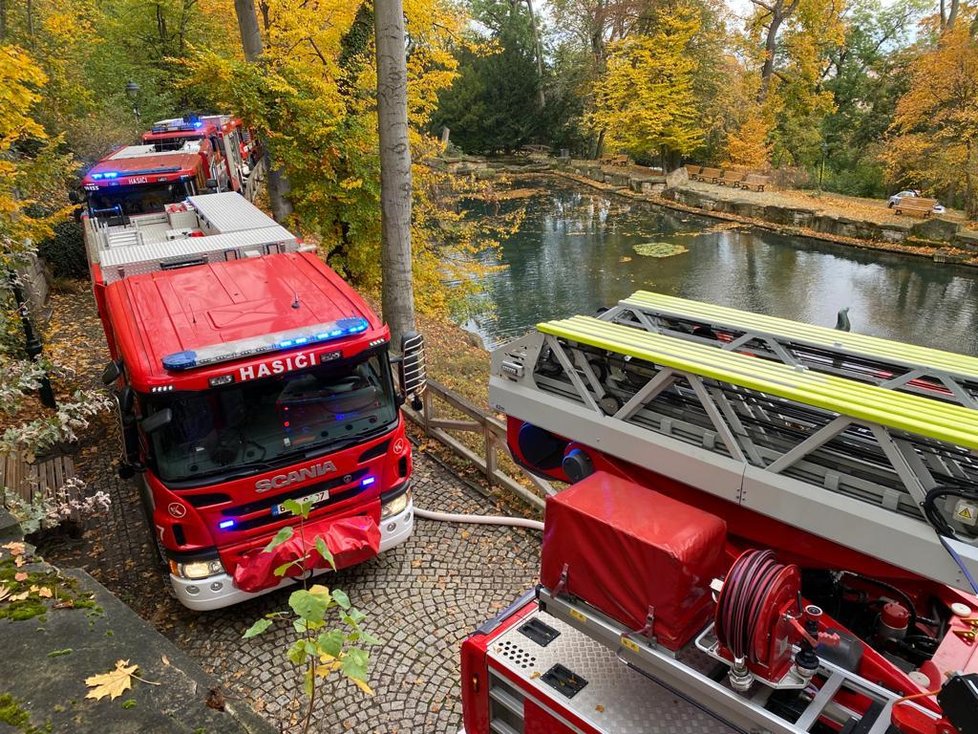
628, 548
351, 540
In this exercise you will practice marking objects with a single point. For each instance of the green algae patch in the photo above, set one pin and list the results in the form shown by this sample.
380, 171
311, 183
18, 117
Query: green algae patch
659, 249
26, 594
14, 715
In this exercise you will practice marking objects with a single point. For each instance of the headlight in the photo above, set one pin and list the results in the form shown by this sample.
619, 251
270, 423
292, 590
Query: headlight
396, 506
197, 569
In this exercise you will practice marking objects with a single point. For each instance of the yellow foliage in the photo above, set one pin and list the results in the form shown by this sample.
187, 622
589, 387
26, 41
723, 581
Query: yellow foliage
935, 131
644, 100
750, 145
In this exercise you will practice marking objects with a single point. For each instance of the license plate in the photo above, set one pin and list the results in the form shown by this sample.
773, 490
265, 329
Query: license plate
312, 499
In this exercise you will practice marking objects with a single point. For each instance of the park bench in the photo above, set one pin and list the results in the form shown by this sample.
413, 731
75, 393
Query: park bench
29, 481
710, 175
693, 172
616, 160
755, 182
915, 206
734, 178
534, 149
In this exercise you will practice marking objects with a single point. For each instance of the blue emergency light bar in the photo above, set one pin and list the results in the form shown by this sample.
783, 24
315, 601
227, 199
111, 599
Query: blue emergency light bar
229, 351
107, 174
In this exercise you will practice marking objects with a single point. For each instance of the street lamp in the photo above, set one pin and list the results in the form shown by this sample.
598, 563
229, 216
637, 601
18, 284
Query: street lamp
132, 91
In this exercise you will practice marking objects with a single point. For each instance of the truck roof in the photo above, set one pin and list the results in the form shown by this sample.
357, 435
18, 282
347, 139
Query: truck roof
163, 313
142, 160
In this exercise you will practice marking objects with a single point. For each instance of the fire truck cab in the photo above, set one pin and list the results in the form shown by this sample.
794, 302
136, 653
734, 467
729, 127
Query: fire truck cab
246, 382
137, 179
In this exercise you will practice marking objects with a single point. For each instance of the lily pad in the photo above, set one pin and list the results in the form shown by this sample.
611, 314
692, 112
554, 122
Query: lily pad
659, 249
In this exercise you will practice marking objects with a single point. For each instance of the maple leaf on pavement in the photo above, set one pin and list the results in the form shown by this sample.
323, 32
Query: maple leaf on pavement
112, 684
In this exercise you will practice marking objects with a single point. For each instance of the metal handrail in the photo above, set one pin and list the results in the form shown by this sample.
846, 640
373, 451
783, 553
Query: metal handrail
478, 421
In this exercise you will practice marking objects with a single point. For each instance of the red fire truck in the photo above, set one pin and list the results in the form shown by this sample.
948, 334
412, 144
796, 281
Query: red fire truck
771, 527
247, 374
235, 147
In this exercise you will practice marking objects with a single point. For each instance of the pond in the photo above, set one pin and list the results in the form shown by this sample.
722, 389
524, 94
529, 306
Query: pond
576, 252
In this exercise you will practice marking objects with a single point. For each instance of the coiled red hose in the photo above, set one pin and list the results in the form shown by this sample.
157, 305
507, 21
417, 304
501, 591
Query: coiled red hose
745, 594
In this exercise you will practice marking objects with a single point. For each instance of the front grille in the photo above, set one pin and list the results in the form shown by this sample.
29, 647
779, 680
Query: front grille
268, 519
206, 499
266, 503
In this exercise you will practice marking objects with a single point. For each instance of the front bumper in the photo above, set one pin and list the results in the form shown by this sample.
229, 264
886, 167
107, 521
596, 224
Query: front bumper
217, 592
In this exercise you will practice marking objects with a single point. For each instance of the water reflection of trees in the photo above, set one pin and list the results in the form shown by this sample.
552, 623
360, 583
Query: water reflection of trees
568, 258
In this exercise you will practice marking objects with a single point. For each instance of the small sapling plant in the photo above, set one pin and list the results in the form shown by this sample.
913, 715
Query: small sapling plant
320, 648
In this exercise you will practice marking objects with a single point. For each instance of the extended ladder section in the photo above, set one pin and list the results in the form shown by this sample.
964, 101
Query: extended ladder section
906, 367
865, 465
207, 228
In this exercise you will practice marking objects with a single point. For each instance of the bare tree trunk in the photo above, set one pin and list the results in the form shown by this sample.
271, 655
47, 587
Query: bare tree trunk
952, 15
3, 20
248, 25
278, 183
538, 52
395, 169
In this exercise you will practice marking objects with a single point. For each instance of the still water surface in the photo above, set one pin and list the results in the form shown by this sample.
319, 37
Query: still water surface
574, 254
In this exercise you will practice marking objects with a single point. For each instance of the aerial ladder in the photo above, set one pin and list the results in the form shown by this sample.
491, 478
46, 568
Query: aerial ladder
774, 522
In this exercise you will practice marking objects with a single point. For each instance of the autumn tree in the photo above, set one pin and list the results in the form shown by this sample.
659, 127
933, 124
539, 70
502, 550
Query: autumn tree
934, 140
644, 102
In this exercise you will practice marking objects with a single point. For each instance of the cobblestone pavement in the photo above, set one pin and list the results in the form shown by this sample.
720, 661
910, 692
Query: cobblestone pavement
421, 599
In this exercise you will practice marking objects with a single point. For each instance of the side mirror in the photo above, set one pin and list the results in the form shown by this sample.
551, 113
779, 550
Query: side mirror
111, 373
158, 420
412, 369
127, 398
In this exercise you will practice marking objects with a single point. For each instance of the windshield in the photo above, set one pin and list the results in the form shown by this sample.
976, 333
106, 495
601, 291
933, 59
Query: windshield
164, 145
266, 421
143, 199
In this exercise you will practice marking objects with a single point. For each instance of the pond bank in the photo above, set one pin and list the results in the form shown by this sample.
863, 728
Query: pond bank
940, 239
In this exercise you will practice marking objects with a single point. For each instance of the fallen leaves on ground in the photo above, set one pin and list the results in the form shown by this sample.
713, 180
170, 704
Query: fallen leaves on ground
112, 684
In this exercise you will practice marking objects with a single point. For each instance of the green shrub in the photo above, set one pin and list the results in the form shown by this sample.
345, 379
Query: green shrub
65, 251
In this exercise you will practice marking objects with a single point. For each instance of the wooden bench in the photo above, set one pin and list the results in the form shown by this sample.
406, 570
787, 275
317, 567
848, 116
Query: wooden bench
755, 182
534, 149
693, 172
915, 206
710, 175
29, 482
616, 160
734, 178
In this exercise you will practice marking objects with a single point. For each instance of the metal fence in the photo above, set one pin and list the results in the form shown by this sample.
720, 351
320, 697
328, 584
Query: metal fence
486, 444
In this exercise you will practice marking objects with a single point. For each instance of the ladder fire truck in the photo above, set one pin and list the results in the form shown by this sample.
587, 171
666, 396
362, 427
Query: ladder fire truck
771, 527
247, 374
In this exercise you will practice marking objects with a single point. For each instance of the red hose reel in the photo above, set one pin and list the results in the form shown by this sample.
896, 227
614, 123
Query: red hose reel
756, 614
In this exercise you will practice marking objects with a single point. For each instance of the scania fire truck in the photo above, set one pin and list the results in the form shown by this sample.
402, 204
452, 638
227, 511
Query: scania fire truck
247, 374
770, 527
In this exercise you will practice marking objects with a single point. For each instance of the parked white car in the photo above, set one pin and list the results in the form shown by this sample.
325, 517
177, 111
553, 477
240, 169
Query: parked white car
895, 199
